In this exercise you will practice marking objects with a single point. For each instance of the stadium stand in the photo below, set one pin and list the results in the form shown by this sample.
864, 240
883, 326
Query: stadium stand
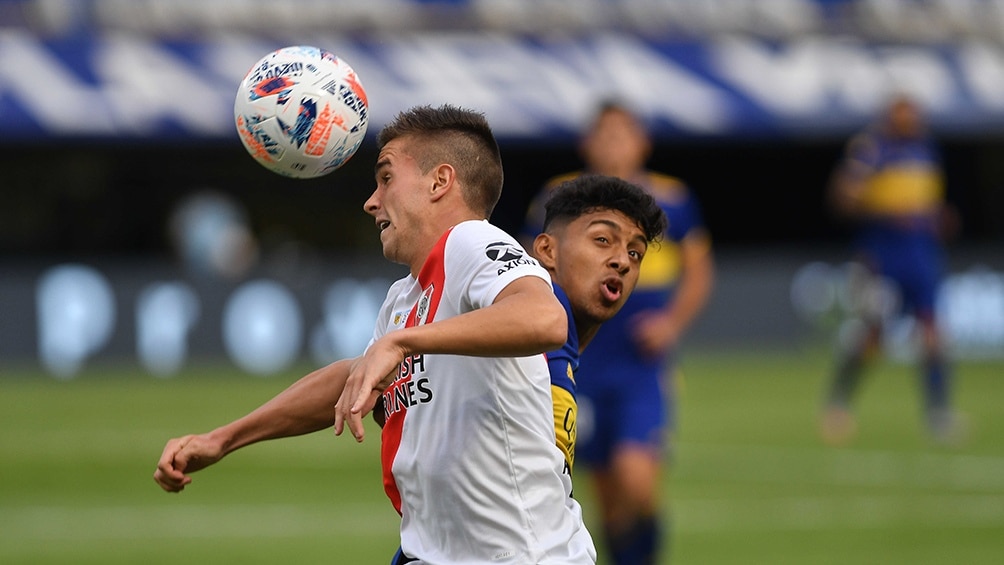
878, 20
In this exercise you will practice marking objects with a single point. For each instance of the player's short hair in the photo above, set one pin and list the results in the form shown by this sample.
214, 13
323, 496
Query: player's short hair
462, 138
616, 106
588, 193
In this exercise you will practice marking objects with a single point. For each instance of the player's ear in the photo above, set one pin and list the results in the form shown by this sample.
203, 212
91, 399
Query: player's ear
545, 250
444, 178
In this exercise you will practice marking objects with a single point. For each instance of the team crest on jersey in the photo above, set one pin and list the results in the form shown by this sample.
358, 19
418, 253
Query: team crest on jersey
422, 310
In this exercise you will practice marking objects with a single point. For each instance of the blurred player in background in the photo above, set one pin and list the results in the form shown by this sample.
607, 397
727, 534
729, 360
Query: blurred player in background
468, 447
625, 380
890, 184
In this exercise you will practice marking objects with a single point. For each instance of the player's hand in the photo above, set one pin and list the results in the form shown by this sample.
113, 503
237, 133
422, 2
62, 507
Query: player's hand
184, 455
369, 376
655, 333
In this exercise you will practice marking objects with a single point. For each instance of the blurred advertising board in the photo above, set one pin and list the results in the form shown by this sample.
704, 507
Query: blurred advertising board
64, 317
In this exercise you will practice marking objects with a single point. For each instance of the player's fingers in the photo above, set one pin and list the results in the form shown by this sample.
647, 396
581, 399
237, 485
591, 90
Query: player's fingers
170, 479
166, 462
343, 413
346, 414
368, 393
162, 481
171, 483
356, 426
361, 398
339, 420
370, 401
170, 473
369, 406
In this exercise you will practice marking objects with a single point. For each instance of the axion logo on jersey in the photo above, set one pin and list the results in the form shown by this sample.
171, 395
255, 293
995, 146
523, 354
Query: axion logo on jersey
509, 254
502, 251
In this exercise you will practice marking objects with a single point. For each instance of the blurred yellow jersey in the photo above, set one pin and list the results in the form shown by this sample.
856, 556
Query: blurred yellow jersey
904, 174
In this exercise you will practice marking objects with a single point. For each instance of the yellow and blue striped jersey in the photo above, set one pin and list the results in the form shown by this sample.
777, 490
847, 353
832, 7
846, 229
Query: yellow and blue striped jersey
905, 177
562, 364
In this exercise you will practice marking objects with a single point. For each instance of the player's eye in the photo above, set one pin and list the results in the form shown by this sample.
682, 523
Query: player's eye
639, 255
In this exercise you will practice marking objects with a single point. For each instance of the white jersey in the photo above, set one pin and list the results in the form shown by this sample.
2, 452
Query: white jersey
468, 447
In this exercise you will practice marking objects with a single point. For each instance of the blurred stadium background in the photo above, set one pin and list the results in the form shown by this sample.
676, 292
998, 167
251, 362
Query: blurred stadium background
148, 267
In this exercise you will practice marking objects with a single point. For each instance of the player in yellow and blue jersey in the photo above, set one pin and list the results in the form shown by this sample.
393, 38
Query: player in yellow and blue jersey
596, 231
890, 184
624, 381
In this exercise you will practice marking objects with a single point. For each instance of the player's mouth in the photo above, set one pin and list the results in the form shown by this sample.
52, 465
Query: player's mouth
383, 224
612, 289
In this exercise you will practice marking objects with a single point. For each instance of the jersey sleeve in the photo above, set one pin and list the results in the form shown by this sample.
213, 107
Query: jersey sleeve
684, 217
483, 260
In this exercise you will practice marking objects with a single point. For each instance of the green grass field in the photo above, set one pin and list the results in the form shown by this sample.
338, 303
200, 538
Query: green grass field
750, 482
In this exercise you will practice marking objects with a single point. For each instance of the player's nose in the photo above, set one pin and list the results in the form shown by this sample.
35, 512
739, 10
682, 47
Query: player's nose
372, 204
620, 261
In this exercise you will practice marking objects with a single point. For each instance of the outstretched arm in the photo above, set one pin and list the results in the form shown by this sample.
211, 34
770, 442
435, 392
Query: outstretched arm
525, 319
848, 182
306, 406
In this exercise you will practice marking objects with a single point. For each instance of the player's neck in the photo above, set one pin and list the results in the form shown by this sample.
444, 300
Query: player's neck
430, 236
585, 331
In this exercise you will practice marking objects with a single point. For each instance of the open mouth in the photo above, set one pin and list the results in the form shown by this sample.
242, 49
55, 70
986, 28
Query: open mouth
612, 289
382, 225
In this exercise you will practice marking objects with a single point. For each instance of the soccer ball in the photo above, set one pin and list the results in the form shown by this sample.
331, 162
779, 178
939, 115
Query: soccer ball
301, 112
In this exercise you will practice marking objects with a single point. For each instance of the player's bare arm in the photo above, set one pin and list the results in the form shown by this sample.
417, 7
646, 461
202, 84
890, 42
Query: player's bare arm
657, 332
847, 188
525, 319
306, 406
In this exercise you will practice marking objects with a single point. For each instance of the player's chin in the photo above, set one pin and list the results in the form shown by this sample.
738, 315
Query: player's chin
390, 251
604, 309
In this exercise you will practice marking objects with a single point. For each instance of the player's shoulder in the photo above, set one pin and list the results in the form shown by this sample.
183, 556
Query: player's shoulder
864, 143
474, 228
557, 180
562, 296
481, 238
398, 290
666, 188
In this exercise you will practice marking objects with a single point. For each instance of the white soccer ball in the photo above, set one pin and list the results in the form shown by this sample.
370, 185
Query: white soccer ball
301, 112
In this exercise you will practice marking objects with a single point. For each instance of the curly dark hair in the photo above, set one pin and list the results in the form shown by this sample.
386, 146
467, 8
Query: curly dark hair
587, 193
460, 137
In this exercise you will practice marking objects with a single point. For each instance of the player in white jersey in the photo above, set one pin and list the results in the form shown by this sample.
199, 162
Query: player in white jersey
468, 451
468, 448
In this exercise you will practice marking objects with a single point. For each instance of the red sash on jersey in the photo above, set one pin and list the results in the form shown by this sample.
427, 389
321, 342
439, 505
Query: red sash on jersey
431, 278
